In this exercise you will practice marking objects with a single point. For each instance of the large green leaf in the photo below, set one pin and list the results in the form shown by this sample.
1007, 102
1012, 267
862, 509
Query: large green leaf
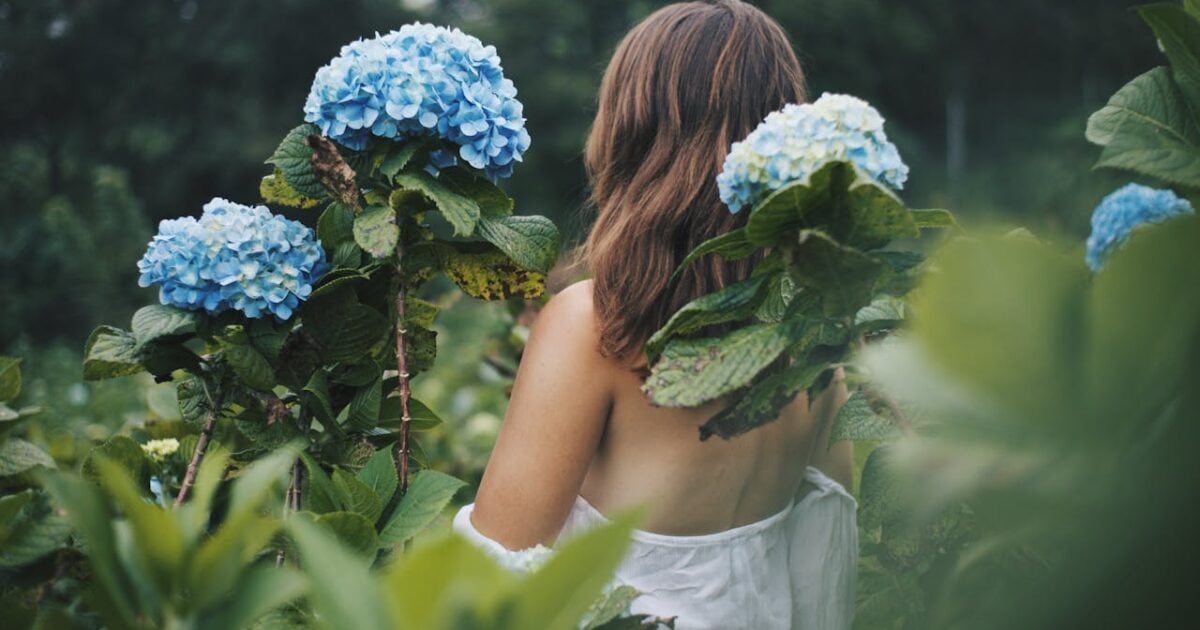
691, 372
879, 491
319, 494
492, 201
33, 538
121, 451
358, 497
732, 303
428, 494
762, 402
462, 212
18, 456
10, 507
275, 189
375, 231
342, 589
1179, 37
437, 584
420, 416
10, 378
884, 313
335, 228
398, 156
110, 352
364, 406
353, 530
490, 275
933, 219
560, 592
293, 158
194, 401
732, 245
531, 241
838, 199
1146, 127
379, 474
251, 367
259, 591
857, 421
844, 277
343, 328
160, 539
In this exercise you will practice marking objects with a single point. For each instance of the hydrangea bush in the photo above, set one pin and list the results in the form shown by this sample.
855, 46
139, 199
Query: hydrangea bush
233, 257
1115, 218
793, 143
422, 80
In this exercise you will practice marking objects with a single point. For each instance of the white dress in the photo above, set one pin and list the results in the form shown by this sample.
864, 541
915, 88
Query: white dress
792, 570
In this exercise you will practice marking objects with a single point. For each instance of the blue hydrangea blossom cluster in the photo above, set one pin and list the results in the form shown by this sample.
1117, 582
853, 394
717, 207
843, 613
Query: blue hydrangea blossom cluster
1122, 211
233, 257
798, 140
422, 80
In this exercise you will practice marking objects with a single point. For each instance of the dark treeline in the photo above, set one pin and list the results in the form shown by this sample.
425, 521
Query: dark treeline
119, 113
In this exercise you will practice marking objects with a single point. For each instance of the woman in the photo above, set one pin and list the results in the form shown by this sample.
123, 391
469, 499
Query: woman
747, 533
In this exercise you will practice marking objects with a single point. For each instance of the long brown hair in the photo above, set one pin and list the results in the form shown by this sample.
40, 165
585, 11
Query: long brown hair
682, 86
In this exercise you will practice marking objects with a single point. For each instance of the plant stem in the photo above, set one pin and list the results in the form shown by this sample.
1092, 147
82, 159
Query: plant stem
291, 502
402, 446
210, 421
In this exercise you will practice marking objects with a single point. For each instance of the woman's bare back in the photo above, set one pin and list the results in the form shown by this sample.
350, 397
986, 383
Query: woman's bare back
578, 424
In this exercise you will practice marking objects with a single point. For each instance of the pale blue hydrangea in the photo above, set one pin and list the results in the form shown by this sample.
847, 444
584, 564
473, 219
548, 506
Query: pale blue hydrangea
1122, 211
798, 140
233, 257
422, 80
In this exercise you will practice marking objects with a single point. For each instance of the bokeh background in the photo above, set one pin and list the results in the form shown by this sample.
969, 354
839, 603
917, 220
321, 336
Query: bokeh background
119, 113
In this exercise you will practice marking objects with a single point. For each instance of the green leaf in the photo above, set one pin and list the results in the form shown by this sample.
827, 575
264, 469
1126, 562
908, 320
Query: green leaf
18, 456
341, 586
10, 378
492, 201
335, 228
436, 584
428, 494
398, 156
732, 303
530, 241
298, 360
251, 368
319, 494
462, 212
762, 402
844, 277
275, 189
315, 397
837, 199
934, 219
732, 245
353, 530
293, 158
364, 406
691, 372
420, 416
857, 421
194, 404
559, 593
1192, 7
358, 497
379, 474
338, 279
610, 606
343, 328
124, 452
259, 591
1179, 36
375, 231
10, 506
884, 313
1147, 128
160, 539
879, 493
33, 539
110, 352
490, 275
266, 338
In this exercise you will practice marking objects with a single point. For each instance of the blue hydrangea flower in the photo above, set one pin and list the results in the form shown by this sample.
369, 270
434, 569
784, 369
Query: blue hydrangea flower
233, 257
1122, 211
798, 140
422, 80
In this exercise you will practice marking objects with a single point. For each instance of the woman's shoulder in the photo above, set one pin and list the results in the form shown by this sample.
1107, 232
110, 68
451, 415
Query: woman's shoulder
568, 320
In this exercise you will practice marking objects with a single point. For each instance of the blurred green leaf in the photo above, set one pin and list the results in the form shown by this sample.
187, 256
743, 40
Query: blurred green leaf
10, 378
160, 539
1179, 36
432, 585
123, 452
342, 590
933, 219
858, 422
18, 456
259, 591
33, 538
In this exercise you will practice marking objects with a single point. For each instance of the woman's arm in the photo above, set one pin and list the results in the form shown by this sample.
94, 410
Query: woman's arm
560, 402
837, 460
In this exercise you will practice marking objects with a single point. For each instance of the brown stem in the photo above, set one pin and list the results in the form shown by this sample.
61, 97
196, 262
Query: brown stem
402, 447
874, 395
189, 477
291, 502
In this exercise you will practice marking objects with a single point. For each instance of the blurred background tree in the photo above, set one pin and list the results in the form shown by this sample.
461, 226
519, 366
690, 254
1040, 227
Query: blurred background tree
119, 113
